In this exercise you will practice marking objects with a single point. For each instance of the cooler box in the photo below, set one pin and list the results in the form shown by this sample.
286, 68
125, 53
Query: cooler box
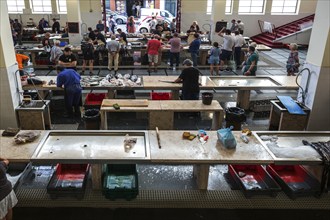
120, 181
295, 180
253, 180
94, 100
68, 180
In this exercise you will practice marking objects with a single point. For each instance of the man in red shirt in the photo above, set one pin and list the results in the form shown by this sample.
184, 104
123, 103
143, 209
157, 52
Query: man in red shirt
153, 47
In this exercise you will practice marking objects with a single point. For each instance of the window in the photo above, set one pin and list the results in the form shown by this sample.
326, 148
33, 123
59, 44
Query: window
229, 7
285, 6
61, 6
41, 6
251, 6
15, 6
209, 7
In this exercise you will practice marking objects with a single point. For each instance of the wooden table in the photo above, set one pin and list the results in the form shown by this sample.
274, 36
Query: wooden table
161, 113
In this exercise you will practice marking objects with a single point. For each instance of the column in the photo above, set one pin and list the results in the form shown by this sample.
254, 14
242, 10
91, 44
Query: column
73, 15
9, 96
316, 83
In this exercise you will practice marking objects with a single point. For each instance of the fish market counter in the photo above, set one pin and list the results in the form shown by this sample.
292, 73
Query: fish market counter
243, 85
166, 148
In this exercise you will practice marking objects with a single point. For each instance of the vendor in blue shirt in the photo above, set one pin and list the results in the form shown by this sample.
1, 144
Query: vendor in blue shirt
69, 79
194, 48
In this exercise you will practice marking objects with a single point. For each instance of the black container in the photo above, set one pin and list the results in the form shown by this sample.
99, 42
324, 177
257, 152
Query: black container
254, 181
234, 117
92, 119
207, 98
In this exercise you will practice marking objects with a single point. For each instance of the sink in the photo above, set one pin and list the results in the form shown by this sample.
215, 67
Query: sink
92, 146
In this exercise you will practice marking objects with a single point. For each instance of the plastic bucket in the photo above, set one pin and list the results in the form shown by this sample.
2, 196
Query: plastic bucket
92, 119
207, 98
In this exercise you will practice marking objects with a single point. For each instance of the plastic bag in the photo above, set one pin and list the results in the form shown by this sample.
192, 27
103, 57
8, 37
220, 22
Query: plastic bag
226, 137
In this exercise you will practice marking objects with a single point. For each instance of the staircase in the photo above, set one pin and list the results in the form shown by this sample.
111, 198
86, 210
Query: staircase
290, 28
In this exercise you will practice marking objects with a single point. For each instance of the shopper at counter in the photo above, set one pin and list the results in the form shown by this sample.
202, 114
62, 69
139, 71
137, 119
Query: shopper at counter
21, 59
91, 34
68, 60
8, 198
250, 67
176, 47
194, 48
100, 26
69, 79
55, 53
153, 48
189, 78
113, 47
122, 35
228, 44
56, 27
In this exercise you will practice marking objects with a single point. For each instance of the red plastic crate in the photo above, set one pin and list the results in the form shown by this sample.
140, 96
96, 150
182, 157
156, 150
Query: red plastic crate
68, 179
94, 100
161, 96
295, 180
256, 180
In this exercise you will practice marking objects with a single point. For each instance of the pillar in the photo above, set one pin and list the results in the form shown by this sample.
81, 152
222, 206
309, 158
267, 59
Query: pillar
317, 90
73, 15
9, 95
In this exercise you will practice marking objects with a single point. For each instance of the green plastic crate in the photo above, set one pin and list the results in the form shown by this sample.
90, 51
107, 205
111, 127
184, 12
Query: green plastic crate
120, 181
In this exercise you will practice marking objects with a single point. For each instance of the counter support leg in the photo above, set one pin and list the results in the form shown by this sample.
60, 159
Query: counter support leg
216, 120
243, 99
104, 121
96, 176
201, 173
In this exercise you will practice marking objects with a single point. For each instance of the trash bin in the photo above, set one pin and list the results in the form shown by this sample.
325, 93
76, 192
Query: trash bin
207, 98
234, 117
92, 119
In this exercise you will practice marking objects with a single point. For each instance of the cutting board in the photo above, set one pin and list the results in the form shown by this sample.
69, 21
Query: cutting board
125, 103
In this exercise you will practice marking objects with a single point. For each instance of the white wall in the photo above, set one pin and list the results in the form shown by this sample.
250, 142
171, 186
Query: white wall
9, 97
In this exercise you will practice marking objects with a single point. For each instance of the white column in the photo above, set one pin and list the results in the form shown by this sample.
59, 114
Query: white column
73, 15
9, 96
318, 61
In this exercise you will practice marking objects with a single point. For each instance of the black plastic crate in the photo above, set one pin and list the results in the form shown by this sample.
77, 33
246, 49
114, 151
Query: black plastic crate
69, 180
253, 180
38, 177
295, 180
120, 181
18, 172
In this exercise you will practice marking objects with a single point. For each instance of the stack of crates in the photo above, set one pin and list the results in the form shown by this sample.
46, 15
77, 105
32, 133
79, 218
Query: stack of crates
295, 180
69, 180
94, 100
120, 181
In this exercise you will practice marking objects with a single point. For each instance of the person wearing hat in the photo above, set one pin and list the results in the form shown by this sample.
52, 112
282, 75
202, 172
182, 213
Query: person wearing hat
189, 78
292, 65
69, 79
68, 60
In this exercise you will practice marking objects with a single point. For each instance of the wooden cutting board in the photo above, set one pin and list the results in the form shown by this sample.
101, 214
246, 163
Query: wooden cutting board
125, 103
